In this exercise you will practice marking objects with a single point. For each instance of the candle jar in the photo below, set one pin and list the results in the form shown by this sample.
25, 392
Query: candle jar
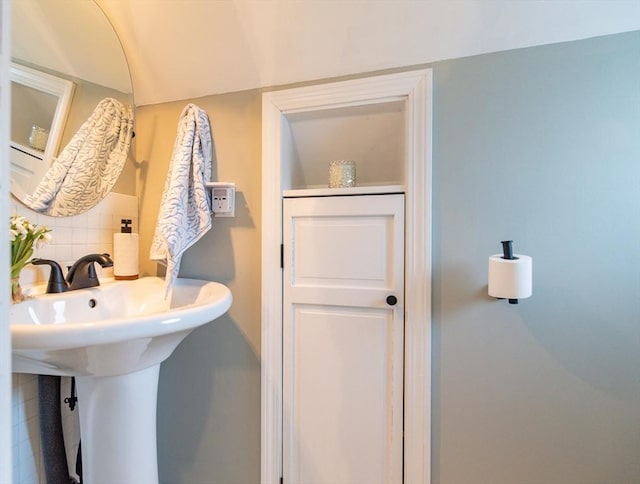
342, 174
38, 138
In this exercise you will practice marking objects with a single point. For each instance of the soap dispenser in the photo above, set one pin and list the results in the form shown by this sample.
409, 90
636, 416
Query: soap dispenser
125, 253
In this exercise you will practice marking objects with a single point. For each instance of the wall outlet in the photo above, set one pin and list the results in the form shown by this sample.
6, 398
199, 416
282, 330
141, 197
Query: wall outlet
223, 199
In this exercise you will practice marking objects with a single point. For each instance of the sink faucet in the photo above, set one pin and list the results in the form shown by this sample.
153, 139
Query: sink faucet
81, 275
56, 282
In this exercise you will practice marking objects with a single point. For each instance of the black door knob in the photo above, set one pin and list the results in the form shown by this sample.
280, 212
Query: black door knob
392, 300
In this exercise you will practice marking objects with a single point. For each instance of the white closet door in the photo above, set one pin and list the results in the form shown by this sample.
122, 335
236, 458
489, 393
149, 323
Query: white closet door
343, 339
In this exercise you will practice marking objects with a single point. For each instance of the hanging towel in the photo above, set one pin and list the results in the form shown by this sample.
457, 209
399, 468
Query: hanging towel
185, 208
88, 167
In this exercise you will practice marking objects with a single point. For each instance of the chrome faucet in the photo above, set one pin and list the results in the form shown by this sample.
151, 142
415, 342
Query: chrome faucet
81, 275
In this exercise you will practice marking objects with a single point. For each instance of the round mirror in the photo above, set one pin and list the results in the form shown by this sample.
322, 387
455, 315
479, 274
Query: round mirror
71, 92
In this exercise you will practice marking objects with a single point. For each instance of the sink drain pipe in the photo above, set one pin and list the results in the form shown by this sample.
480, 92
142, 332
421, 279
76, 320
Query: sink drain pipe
53, 452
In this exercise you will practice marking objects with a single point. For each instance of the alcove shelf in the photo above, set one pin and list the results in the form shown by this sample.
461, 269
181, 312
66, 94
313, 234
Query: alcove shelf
358, 190
27, 150
372, 134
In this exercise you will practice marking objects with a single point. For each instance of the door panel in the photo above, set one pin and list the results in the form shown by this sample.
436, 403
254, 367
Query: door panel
343, 344
331, 251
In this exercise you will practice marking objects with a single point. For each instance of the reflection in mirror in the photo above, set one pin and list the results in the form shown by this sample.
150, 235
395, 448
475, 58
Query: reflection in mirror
40, 106
88, 167
71, 42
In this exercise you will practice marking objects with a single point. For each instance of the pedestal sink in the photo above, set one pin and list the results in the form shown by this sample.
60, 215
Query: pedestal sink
112, 338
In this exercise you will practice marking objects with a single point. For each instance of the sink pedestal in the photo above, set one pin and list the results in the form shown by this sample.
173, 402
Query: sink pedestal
113, 338
118, 427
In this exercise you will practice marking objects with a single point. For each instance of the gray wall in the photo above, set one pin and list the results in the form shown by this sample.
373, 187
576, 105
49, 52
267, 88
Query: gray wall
539, 145
209, 392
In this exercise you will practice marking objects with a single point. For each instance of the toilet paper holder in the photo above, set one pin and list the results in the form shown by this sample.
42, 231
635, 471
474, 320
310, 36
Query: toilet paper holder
510, 275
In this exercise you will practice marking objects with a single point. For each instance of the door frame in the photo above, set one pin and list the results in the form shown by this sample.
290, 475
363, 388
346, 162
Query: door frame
6, 462
415, 89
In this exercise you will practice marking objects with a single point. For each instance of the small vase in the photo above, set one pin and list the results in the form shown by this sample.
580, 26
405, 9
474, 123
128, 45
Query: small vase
16, 290
342, 174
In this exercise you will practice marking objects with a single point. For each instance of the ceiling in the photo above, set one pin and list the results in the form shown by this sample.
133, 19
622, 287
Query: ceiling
180, 49
41, 37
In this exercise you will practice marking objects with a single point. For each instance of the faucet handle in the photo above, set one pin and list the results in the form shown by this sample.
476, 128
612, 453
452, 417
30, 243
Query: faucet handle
56, 282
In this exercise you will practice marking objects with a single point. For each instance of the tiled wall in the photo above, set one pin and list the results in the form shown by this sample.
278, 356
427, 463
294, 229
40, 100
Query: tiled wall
27, 457
72, 237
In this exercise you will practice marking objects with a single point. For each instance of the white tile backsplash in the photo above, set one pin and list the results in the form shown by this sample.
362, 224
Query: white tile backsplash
72, 237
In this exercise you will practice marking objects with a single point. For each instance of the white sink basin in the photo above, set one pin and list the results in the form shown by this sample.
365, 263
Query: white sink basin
116, 328
112, 338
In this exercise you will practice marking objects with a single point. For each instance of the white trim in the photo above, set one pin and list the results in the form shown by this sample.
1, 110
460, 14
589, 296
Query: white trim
417, 407
414, 88
359, 190
271, 379
6, 462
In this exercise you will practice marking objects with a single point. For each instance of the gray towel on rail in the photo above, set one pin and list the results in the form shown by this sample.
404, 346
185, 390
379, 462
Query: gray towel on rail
185, 209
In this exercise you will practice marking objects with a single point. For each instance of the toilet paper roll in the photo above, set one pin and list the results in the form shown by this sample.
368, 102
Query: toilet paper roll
510, 278
125, 256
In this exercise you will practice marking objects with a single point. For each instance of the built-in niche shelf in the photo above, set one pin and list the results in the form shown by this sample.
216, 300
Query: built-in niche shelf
40, 103
38, 99
332, 192
27, 150
371, 134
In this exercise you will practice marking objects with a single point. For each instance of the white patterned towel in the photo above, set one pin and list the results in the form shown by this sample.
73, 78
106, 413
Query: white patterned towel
89, 165
185, 208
